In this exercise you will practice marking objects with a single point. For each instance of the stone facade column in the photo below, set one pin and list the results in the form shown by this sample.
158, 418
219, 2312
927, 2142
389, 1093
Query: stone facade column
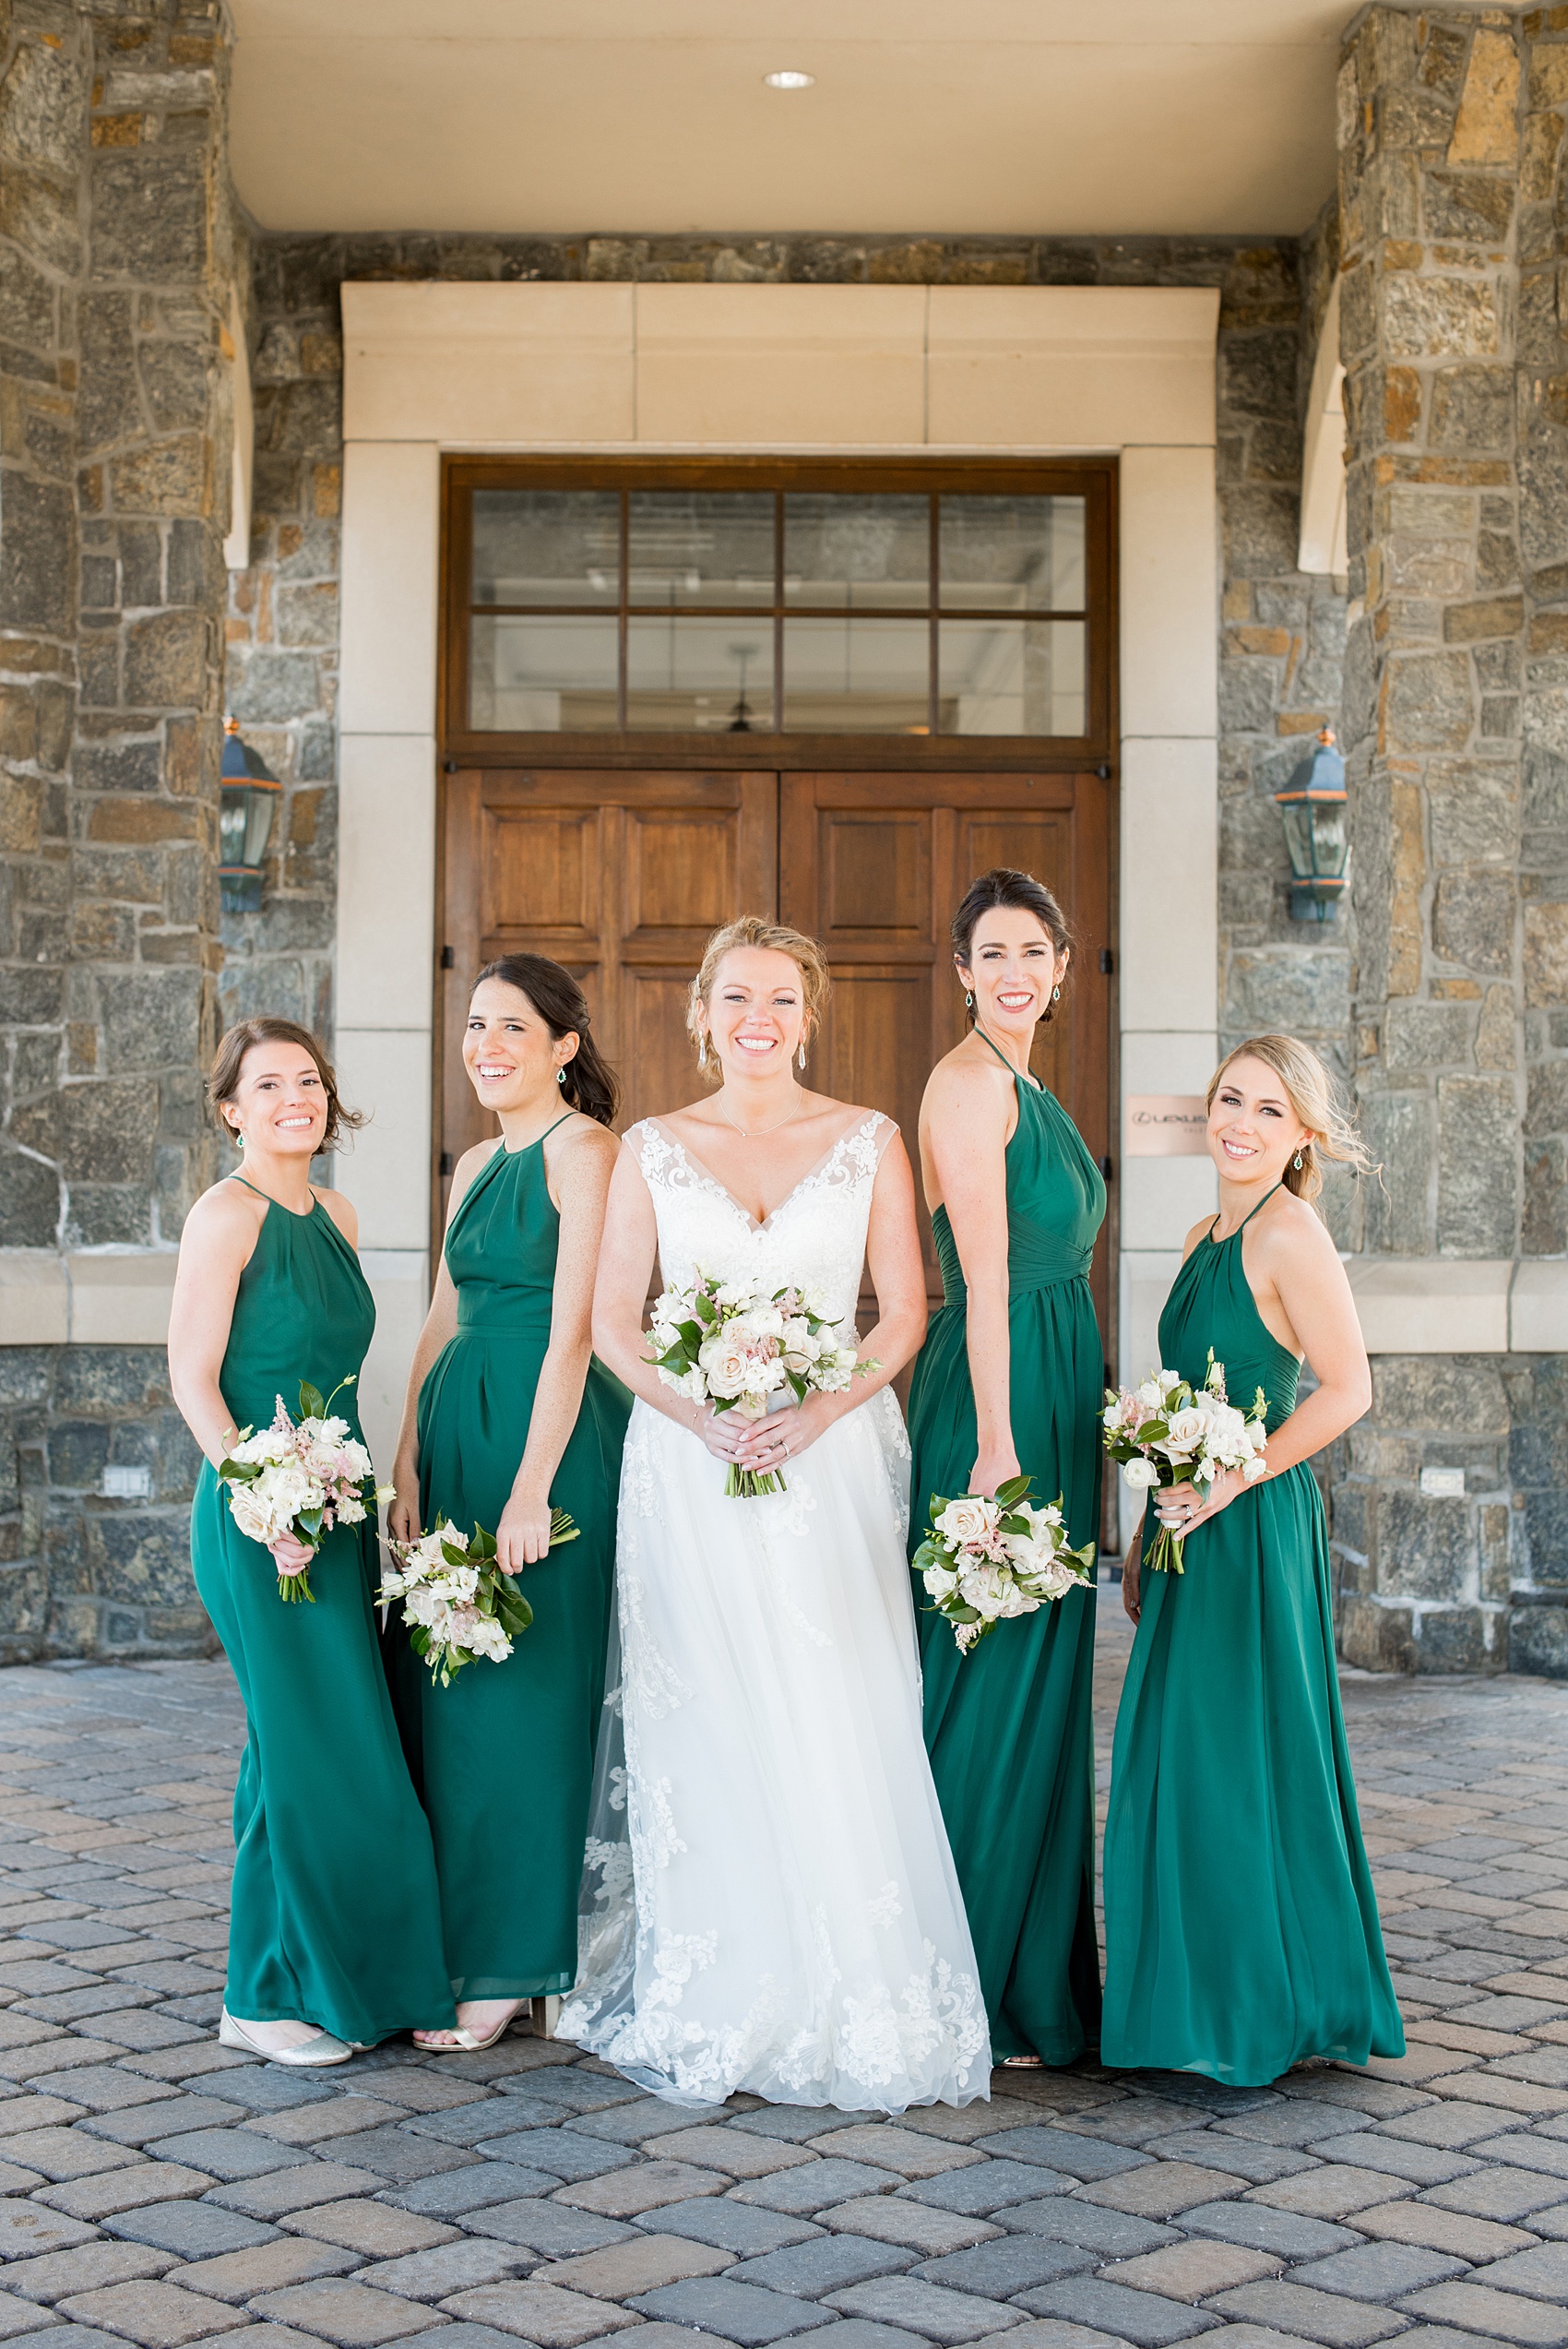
116, 275
1431, 321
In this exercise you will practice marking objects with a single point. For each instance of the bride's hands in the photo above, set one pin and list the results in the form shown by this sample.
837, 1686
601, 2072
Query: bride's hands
722, 1432
769, 1445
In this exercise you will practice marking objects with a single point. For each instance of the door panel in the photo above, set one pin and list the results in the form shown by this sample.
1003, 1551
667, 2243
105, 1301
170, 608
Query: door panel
619, 876
874, 865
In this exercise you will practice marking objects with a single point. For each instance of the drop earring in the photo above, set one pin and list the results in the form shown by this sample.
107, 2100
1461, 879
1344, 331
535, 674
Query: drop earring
803, 1052
1055, 995
1296, 1162
560, 1076
702, 1051
968, 1001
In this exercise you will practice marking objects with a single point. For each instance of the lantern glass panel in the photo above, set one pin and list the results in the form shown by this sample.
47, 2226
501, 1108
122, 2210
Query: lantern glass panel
232, 824
1329, 843
1299, 838
258, 824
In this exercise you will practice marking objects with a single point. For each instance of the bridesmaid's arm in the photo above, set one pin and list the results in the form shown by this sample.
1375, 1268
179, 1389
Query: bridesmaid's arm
893, 1258
216, 1243
968, 1120
440, 1326
1296, 1276
577, 1170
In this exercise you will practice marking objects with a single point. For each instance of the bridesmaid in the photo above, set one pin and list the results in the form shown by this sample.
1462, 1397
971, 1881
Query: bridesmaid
1008, 1383
506, 1415
1240, 1926
335, 1936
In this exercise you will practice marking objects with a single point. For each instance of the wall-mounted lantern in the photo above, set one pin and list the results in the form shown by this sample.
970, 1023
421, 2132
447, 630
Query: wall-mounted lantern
1312, 808
249, 798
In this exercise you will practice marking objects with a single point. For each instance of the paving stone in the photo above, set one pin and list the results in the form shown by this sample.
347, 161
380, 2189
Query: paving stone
1162, 2190
1293, 2122
1061, 2218
103, 2198
103, 2088
565, 2152
238, 2275
552, 2229
343, 2312
1331, 2191
26, 2110
457, 2336
1238, 2156
624, 2193
151, 2123
315, 2124
1073, 2155
737, 2152
645, 2263
18, 2317
1529, 2149
159, 2316
64, 2153
740, 2312
1259, 2228
285, 2190
1378, 2270
1013, 2263
811, 2189
1055, 2332
887, 2146
450, 2267
991, 2186
27, 2229
1146, 2318
796, 2123
932, 2309
1195, 2270
637, 2123
734, 2228
1501, 2316
1540, 2270
452, 2192
373, 2228
541, 2313
395, 2154
88, 2265
891, 2218
14, 2180
830, 2263
271, 2088
1422, 2165
1506, 2192
190, 2230
859, 2332
1324, 2317
228, 2154
1467, 2238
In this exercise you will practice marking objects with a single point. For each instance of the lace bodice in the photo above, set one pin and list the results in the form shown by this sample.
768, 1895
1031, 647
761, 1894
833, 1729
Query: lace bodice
816, 1237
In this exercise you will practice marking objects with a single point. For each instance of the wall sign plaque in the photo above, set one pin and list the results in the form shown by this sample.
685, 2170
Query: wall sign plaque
1167, 1126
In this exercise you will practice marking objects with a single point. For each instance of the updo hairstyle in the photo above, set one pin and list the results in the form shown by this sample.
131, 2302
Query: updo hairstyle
771, 938
1005, 887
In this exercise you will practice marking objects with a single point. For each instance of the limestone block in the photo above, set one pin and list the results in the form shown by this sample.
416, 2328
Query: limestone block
1414, 1306
1472, 408
1478, 1188
1435, 318
1430, 702
1537, 1312
149, 215
1474, 811
1538, 1641
1486, 127
1289, 988
1419, 1036
1546, 955
34, 1298
1473, 918
1463, 1393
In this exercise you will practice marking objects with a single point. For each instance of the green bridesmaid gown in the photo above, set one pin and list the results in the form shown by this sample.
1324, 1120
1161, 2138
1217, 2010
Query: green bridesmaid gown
1240, 1926
503, 1757
1010, 1727
335, 1918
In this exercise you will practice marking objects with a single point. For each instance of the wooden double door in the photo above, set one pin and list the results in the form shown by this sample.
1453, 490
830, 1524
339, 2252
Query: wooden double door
623, 876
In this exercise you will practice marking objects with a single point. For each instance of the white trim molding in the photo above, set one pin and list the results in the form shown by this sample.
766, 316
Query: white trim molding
1324, 543
83, 1299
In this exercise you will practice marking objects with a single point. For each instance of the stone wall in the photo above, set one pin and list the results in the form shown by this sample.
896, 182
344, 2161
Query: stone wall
1456, 714
117, 260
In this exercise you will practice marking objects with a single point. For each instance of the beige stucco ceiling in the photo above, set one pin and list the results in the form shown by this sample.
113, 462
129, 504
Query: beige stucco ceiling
953, 116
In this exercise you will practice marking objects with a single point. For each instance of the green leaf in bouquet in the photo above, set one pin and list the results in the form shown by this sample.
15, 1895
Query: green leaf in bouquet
513, 1612
453, 1556
1014, 1489
562, 1529
309, 1519
796, 1385
930, 1553
481, 1549
240, 1471
312, 1403
704, 1308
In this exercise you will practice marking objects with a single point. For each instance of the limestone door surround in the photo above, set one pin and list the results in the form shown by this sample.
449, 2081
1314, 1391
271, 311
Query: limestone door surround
872, 370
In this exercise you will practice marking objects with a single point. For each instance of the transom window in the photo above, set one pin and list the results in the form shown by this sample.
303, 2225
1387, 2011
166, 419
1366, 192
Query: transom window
866, 602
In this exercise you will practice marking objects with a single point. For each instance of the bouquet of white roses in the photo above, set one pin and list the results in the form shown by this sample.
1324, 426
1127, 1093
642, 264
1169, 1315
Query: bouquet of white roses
458, 1604
724, 1343
1166, 1432
984, 1561
300, 1477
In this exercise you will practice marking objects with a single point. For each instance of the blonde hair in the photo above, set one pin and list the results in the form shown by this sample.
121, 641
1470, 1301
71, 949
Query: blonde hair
1310, 1091
770, 937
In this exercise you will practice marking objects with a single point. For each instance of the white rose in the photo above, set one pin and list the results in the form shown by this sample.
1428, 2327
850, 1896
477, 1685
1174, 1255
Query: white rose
732, 1295
351, 1511
727, 1363
941, 1581
425, 1604
1168, 1380
969, 1518
1055, 1579
1257, 1466
1114, 1413
489, 1640
1187, 1429
991, 1592
765, 1320
1139, 1474
253, 1517
1150, 1397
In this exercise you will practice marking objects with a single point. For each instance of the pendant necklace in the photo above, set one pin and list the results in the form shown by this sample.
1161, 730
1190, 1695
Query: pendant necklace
763, 1130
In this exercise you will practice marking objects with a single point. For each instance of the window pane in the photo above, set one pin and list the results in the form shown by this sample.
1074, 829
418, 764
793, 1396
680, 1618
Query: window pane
1012, 553
701, 546
542, 676
853, 551
1012, 678
856, 676
699, 676
547, 546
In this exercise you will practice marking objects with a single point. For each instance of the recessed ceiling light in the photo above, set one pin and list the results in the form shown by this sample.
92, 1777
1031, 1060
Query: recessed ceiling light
788, 80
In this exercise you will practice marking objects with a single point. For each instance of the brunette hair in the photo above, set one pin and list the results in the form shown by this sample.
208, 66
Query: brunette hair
771, 938
223, 1077
1003, 885
588, 1081
1310, 1091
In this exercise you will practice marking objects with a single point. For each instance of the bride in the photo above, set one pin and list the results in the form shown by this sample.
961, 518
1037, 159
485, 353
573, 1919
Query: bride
796, 1928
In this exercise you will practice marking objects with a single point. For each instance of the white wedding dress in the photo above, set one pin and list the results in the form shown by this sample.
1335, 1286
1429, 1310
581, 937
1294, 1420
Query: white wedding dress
769, 1899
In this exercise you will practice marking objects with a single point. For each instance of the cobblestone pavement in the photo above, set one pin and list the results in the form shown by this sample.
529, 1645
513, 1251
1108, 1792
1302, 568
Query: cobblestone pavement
156, 2189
